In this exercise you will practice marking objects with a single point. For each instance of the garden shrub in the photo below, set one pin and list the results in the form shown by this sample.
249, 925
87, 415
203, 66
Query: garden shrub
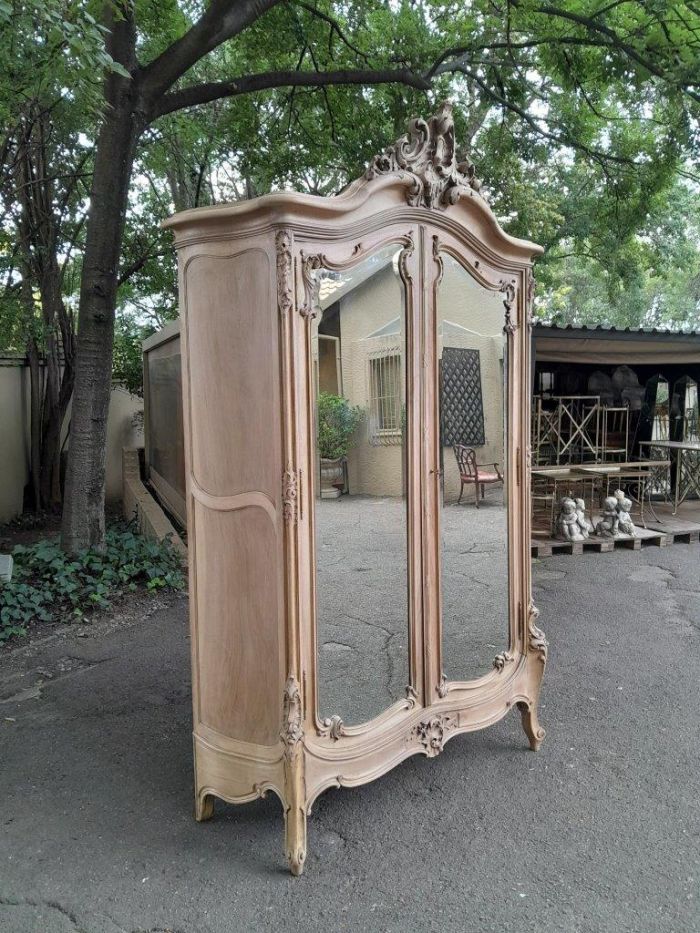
48, 586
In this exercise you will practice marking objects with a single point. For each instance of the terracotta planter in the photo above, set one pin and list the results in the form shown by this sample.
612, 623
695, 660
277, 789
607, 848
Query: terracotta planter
331, 478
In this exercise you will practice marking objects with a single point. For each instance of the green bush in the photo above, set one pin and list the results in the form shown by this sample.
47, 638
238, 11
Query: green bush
337, 421
48, 585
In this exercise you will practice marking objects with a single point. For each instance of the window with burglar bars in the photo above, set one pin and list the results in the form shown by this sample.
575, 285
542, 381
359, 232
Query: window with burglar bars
385, 401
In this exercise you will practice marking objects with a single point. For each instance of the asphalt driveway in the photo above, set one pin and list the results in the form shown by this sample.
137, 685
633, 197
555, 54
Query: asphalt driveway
599, 831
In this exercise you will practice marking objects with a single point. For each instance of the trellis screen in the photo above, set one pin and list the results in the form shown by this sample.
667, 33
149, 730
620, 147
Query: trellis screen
461, 403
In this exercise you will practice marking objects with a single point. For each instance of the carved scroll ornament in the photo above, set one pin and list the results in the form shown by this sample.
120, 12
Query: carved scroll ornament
426, 154
537, 642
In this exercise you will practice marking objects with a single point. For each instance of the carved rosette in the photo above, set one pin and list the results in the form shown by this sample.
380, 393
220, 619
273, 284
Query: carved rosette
500, 661
508, 289
426, 154
431, 733
285, 291
292, 728
537, 642
290, 493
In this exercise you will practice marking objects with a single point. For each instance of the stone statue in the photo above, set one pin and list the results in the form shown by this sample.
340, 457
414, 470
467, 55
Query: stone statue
624, 506
584, 524
567, 525
609, 524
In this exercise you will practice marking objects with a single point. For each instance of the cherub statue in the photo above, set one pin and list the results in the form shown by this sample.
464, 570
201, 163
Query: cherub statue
583, 523
624, 506
609, 524
568, 528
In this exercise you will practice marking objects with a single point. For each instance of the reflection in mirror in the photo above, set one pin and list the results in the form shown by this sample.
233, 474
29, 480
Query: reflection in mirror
358, 351
471, 353
684, 409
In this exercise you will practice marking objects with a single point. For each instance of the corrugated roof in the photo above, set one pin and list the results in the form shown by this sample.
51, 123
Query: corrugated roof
604, 329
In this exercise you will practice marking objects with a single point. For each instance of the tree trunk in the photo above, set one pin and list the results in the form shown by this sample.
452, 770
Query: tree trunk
83, 513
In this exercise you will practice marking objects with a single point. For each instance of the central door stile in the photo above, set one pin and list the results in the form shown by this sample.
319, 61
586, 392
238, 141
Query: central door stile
431, 272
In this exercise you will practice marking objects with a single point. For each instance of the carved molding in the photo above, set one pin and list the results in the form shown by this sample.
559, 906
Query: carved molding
442, 689
292, 729
290, 493
285, 290
537, 642
431, 733
439, 261
411, 696
500, 661
509, 290
426, 154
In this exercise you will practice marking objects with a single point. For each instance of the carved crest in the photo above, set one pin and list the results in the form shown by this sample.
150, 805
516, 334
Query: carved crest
537, 642
290, 494
292, 730
283, 243
431, 733
427, 155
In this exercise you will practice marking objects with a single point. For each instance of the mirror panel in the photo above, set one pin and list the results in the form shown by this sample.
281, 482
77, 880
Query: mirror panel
359, 372
471, 347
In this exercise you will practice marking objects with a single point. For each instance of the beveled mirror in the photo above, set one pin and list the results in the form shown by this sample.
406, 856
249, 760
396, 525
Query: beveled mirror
472, 373
361, 529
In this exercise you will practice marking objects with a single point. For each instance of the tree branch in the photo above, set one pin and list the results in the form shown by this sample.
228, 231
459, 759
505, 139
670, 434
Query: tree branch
222, 21
204, 93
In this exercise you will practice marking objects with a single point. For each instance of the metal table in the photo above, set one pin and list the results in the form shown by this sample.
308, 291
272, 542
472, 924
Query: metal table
687, 459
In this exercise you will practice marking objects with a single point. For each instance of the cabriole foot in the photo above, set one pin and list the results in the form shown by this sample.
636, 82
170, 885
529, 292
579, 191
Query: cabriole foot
531, 724
204, 807
295, 841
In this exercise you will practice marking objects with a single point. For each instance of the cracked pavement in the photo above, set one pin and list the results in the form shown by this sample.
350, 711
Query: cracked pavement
599, 831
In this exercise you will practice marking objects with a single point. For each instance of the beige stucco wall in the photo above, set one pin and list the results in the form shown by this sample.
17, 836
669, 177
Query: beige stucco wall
377, 470
462, 301
15, 434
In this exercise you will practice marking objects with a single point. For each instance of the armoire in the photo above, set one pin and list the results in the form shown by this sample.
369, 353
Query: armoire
333, 637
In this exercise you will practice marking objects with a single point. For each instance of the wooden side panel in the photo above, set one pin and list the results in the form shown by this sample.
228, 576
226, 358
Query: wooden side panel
231, 337
234, 374
237, 623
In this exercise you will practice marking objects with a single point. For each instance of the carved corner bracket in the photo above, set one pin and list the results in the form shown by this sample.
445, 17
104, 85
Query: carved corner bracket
427, 155
292, 720
431, 733
500, 661
332, 727
509, 290
537, 643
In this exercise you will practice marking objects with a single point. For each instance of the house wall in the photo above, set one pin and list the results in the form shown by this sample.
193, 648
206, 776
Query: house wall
15, 437
377, 470
462, 301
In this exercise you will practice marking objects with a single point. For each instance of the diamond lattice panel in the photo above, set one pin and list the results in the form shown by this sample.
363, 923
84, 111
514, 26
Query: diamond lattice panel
461, 403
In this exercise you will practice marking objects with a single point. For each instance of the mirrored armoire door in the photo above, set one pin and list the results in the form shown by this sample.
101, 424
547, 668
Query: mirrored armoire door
363, 392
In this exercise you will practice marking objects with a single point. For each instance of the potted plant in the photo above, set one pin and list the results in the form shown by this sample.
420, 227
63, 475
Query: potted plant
337, 422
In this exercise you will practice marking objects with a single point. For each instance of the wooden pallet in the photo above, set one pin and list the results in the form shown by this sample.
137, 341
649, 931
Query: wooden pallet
545, 547
676, 529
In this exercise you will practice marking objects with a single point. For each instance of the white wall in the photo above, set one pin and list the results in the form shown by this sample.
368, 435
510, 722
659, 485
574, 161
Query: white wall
15, 434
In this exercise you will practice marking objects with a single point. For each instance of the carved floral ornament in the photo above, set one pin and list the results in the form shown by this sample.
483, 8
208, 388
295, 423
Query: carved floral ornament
285, 298
537, 642
426, 154
290, 494
431, 733
292, 730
